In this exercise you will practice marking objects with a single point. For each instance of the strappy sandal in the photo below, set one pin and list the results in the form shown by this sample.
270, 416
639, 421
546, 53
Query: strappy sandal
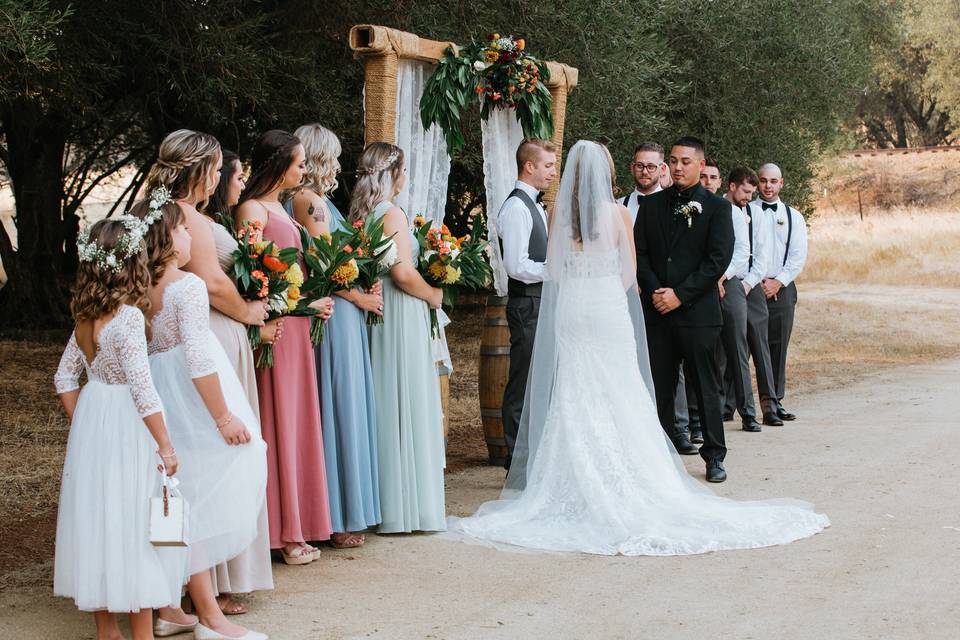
314, 551
358, 539
231, 607
300, 555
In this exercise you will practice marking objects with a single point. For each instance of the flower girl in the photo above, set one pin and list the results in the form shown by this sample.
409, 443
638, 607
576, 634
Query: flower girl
223, 470
104, 559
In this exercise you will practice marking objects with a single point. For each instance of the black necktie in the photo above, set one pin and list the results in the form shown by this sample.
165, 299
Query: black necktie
540, 197
769, 205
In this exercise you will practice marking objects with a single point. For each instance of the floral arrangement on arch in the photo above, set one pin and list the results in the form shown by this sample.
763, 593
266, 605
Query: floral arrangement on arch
502, 74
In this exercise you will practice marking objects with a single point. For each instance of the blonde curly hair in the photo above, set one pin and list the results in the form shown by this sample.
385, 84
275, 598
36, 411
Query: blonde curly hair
322, 148
99, 291
186, 159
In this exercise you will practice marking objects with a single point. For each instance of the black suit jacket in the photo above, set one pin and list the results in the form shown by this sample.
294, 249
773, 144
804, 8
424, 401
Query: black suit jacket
690, 260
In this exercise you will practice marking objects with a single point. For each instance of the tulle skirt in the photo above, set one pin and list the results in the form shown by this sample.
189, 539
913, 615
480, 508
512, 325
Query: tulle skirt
104, 559
225, 485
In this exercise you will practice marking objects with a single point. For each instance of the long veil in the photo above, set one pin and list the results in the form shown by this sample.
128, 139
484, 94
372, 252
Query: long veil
587, 227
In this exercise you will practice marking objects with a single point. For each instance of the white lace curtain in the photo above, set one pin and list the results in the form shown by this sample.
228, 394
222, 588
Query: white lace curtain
428, 166
502, 134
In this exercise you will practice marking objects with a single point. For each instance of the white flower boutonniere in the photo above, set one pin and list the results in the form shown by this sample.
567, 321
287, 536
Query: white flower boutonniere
781, 221
689, 211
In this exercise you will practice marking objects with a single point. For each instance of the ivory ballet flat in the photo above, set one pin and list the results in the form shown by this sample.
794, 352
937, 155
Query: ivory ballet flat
164, 628
205, 633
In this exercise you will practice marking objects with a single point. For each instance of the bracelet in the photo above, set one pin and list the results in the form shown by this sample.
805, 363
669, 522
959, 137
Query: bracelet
172, 454
221, 425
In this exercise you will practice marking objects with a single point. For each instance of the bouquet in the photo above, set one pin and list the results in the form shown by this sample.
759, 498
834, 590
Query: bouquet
375, 255
263, 271
331, 266
448, 262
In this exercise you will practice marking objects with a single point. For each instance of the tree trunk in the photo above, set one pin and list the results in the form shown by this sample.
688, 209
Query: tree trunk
33, 296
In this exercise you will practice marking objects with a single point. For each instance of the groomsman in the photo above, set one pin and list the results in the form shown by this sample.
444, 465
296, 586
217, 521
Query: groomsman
786, 232
646, 167
738, 282
710, 175
522, 224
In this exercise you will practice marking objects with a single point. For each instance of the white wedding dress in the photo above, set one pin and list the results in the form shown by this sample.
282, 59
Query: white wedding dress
601, 477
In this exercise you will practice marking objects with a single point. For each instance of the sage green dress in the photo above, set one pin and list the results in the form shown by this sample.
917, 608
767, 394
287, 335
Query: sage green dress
409, 419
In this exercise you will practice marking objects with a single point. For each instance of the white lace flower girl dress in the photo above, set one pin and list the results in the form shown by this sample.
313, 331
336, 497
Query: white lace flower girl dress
225, 485
104, 559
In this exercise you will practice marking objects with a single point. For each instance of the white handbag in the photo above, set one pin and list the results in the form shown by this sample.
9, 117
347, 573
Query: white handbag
168, 515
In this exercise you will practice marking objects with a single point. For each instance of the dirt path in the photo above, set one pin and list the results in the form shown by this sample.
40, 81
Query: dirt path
875, 457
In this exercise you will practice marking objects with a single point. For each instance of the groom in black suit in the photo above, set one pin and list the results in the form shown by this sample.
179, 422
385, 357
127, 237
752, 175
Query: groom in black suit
684, 237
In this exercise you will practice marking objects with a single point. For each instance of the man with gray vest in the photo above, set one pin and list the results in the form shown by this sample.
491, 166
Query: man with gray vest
522, 226
787, 238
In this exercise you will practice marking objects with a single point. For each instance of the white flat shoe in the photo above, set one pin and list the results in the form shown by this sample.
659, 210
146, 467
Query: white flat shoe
163, 628
203, 633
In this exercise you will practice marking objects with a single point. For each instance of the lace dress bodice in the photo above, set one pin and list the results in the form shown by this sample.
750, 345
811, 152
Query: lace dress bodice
582, 265
121, 359
184, 320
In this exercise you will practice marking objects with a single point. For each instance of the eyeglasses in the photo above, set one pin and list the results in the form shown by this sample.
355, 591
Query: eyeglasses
649, 168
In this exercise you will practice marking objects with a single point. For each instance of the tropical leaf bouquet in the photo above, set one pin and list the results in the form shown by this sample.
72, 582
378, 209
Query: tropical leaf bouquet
450, 263
375, 255
331, 263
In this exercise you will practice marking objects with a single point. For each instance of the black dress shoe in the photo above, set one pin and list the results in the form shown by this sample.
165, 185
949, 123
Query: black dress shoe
727, 417
771, 420
696, 437
684, 446
783, 414
751, 425
715, 471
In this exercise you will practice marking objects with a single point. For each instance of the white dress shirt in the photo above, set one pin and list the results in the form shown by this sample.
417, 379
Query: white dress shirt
514, 226
761, 247
633, 201
776, 229
740, 262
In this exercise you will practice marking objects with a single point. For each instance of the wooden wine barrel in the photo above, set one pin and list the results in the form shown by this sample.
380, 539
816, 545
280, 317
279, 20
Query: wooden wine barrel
492, 375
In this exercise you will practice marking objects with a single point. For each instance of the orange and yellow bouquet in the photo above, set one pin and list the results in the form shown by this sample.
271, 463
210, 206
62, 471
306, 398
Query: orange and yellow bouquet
331, 266
449, 262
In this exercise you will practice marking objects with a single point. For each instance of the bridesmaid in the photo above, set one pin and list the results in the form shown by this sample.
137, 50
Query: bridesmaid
297, 503
343, 360
250, 571
409, 422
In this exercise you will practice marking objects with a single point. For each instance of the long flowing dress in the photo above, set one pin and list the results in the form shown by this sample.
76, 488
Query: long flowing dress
349, 416
251, 570
297, 503
409, 419
104, 559
225, 485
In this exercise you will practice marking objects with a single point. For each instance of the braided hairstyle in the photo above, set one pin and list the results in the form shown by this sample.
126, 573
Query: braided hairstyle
272, 155
378, 169
187, 159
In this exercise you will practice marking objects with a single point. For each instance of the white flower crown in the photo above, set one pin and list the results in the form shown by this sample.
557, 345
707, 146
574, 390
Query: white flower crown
129, 243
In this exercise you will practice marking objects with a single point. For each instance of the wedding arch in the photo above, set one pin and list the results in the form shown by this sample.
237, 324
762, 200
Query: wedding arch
397, 66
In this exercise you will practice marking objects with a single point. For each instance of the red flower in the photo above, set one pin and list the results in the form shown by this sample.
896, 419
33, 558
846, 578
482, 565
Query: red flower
496, 96
275, 264
357, 224
347, 249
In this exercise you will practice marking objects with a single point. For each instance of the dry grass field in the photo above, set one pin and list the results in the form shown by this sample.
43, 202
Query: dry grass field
876, 293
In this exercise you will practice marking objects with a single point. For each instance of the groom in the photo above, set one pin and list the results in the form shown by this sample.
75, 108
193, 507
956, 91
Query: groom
522, 225
684, 237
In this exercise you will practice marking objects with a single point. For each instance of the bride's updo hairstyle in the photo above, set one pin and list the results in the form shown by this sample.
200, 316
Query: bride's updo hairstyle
271, 159
187, 161
322, 150
378, 169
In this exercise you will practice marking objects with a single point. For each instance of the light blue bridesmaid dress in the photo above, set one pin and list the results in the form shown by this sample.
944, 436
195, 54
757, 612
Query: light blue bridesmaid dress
409, 419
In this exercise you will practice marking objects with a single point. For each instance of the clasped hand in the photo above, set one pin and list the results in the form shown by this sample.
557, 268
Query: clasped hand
665, 300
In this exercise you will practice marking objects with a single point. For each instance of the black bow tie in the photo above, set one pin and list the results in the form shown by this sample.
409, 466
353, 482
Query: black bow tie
769, 205
540, 197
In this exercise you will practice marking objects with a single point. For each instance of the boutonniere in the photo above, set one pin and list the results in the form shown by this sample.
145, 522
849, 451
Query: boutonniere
689, 211
781, 221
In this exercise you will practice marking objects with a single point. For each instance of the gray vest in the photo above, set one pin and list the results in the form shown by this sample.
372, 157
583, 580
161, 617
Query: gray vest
536, 248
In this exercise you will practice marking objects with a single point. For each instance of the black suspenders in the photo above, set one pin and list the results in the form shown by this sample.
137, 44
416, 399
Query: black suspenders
786, 251
750, 233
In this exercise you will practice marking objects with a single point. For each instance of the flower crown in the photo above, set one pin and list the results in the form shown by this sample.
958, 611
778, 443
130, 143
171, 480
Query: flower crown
128, 244
383, 166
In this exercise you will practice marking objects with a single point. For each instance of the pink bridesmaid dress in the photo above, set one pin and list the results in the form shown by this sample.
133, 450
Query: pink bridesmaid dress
297, 503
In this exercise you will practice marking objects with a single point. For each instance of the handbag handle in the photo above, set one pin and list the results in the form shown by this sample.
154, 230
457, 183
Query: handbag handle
169, 486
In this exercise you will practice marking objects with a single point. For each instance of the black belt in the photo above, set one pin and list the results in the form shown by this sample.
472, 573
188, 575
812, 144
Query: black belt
517, 289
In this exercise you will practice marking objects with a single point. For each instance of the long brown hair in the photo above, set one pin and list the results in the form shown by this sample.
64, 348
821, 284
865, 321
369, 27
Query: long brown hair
159, 239
216, 205
378, 169
98, 291
272, 155
185, 159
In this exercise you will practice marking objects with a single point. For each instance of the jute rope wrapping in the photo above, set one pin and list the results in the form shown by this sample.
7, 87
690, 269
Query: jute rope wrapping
381, 49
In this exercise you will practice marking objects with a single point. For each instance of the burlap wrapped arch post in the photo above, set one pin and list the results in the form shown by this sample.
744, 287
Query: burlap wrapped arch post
381, 48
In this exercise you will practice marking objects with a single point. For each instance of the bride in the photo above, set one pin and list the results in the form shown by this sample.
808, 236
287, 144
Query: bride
592, 469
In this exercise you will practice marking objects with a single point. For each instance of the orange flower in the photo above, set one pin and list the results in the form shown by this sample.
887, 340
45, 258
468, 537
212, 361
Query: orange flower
521, 44
360, 252
496, 96
347, 249
357, 224
445, 230
275, 264
479, 89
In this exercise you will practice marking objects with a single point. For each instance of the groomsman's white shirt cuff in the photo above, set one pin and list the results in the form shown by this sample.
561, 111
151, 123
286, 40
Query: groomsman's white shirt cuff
740, 261
761, 248
515, 226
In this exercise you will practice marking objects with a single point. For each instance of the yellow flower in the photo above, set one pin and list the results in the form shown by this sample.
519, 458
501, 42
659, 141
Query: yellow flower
346, 273
419, 221
294, 275
260, 246
326, 237
437, 271
453, 275
490, 56
293, 296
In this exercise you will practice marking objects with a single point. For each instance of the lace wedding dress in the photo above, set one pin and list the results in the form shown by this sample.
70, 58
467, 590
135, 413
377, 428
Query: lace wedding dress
600, 476
225, 485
